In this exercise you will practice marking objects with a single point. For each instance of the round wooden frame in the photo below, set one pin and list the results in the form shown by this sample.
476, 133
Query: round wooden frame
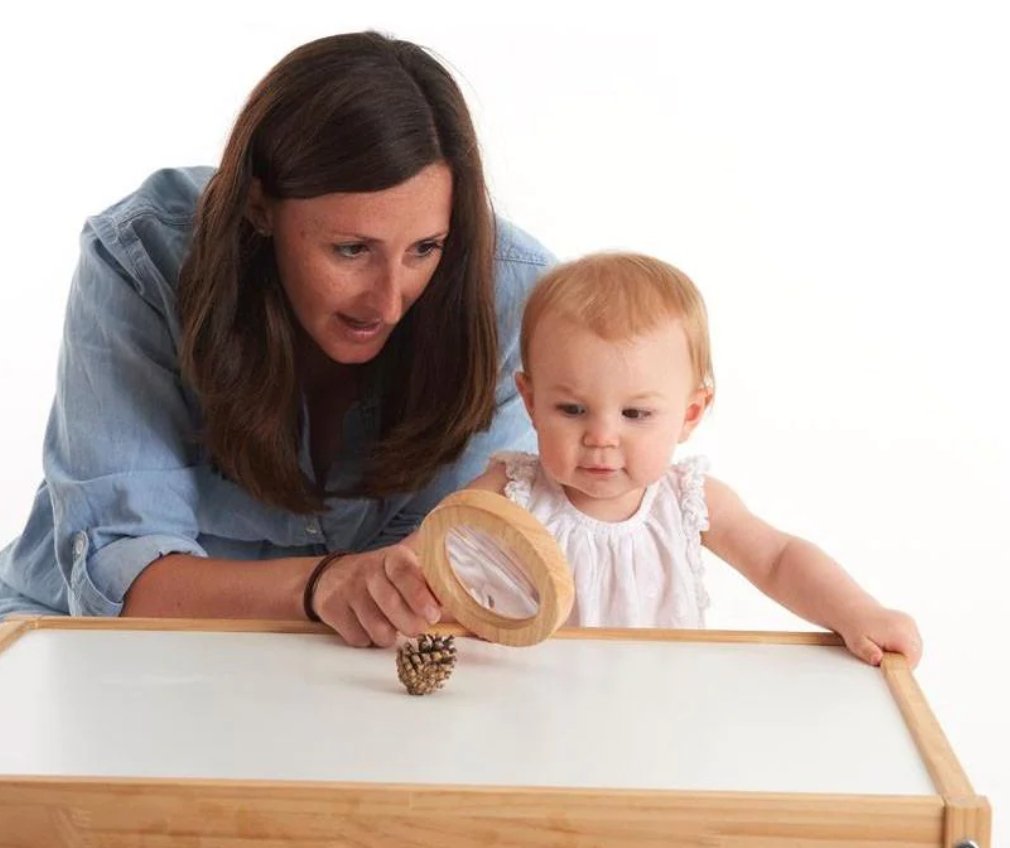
537, 551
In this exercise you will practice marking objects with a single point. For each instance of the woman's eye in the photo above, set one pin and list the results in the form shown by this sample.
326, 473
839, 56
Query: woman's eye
636, 414
571, 409
349, 250
426, 248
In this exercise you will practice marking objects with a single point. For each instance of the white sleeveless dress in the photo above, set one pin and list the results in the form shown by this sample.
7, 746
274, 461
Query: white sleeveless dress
645, 571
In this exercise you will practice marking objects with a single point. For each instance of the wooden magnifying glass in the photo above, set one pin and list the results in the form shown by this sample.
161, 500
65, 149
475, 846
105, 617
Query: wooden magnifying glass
473, 530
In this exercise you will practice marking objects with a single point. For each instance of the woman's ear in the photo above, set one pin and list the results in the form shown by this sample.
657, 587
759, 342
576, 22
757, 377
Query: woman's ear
695, 411
525, 387
258, 210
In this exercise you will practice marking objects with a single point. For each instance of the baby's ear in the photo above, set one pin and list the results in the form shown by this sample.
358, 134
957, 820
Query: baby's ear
695, 411
525, 387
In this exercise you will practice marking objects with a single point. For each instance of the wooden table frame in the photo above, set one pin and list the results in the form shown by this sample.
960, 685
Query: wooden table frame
100, 812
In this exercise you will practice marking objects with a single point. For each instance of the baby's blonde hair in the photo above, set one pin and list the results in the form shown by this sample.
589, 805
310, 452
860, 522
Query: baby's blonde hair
619, 296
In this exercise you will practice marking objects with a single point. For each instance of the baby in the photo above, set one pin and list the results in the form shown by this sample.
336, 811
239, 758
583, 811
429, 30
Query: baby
616, 373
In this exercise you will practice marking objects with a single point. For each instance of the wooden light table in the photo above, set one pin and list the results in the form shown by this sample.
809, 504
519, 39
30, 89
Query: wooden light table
227, 734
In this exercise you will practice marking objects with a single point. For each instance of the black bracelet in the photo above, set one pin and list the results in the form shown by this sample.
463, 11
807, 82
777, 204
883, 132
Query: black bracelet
310, 584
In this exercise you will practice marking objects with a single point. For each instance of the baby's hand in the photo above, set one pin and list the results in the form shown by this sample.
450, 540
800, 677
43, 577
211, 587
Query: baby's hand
871, 633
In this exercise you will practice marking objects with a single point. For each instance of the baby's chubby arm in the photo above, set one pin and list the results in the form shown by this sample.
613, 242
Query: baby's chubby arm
805, 580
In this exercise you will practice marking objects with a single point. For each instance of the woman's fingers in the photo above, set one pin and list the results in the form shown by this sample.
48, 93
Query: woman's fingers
402, 569
375, 622
344, 620
392, 605
369, 598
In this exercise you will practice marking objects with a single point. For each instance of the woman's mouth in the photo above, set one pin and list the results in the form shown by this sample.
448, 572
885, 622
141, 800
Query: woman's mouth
357, 329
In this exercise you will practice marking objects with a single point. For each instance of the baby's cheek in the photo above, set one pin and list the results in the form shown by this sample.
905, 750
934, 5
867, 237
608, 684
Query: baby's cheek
650, 466
554, 459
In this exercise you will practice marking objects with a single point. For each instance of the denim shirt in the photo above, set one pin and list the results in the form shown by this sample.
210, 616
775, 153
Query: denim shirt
126, 480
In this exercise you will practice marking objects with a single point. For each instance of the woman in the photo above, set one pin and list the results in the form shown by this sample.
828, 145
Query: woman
271, 372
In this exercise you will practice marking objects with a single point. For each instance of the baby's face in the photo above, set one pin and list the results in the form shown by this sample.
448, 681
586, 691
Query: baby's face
608, 414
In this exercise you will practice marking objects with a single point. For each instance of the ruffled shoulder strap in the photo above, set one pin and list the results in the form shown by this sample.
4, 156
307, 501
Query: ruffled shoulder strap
520, 471
689, 474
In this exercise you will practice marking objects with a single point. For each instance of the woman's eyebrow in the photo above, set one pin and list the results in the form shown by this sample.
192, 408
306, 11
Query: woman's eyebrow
344, 235
347, 235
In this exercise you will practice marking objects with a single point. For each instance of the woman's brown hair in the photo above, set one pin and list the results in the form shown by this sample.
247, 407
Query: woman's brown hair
355, 112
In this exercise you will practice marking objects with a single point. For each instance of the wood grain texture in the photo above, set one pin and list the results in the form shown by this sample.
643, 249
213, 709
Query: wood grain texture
935, 750
968, 816
209, 625
11, 630
215, 814
754, 637
517, 531
783, 637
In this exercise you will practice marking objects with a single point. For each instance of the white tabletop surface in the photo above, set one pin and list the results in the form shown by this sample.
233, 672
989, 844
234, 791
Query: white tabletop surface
565, 713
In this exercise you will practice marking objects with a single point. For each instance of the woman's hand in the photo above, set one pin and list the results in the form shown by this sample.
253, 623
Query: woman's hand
368, 598
878, 629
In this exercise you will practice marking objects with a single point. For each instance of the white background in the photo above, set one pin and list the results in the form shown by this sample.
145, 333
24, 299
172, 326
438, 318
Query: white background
835, 178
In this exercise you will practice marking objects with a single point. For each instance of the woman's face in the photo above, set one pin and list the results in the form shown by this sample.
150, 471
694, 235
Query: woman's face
352, 264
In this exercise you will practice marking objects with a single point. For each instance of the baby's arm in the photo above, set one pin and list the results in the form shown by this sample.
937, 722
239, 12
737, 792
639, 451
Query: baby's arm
804, 579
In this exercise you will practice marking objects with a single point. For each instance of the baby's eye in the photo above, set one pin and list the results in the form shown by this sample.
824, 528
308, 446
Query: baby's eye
426, 248
350, 249
636, 414
571, 409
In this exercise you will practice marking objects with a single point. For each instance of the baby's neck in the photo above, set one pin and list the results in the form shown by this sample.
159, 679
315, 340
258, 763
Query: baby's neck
612, 510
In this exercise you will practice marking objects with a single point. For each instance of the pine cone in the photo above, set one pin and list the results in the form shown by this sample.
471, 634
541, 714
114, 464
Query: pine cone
425, 665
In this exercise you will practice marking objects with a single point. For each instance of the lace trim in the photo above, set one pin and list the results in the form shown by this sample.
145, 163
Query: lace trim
691, 475
521, 471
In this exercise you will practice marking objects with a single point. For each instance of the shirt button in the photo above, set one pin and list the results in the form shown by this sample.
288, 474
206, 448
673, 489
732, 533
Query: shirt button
78, 546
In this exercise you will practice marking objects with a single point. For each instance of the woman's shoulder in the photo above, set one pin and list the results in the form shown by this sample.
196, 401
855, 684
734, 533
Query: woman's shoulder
169, 195
520, 260
515, 245
147, 233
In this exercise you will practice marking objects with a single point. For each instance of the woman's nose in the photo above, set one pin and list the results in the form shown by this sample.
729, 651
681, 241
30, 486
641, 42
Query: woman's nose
388, 293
